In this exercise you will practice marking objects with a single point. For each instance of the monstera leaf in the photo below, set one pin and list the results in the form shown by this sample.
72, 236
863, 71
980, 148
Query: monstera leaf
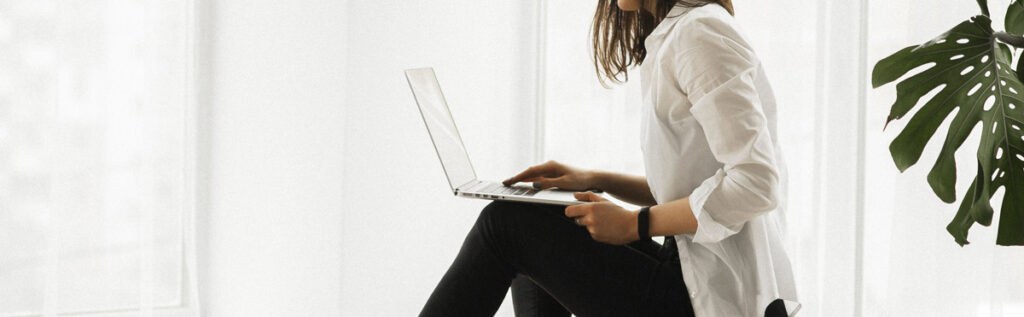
1015, 18
971, 72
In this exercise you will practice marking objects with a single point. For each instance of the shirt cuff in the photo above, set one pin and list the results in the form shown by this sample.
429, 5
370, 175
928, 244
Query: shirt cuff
709, 230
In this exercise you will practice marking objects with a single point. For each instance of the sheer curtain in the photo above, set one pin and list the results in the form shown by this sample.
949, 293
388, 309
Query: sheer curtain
864, 240
96, 158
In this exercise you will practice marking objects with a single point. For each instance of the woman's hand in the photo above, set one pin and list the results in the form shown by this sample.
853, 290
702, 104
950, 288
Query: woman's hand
554, 174
606, 222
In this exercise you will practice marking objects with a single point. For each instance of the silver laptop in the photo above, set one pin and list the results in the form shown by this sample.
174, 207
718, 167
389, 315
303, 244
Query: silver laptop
451, 151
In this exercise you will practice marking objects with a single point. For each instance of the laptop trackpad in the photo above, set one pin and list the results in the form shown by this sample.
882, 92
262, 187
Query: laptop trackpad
559, 195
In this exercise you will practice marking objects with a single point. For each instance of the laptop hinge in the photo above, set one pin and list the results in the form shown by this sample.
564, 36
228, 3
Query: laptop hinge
456, 192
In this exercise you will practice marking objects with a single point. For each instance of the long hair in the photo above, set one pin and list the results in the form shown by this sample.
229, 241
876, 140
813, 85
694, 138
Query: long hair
618, 36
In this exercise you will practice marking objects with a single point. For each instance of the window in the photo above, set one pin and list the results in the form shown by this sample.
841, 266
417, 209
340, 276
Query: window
96, 156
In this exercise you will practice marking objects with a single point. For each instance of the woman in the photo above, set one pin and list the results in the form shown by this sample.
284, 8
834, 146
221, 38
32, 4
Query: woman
714, 183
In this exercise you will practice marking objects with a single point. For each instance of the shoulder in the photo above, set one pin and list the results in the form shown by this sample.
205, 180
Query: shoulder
709, 31
705, 49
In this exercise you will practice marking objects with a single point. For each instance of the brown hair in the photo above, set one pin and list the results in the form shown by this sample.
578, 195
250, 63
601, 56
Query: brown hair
618, 36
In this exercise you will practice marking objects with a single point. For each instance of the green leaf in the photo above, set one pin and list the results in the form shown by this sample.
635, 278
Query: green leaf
971, 73
984, 6
1015, 18
963, 221
1020, 69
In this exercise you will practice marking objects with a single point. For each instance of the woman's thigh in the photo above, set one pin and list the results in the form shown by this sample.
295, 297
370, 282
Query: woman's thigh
530, 300
588, 277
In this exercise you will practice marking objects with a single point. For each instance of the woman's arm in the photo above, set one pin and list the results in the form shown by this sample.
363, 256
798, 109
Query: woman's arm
612, 224
672, 218
629, 188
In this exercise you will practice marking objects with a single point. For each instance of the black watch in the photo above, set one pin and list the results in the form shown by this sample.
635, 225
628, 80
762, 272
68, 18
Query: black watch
643, 223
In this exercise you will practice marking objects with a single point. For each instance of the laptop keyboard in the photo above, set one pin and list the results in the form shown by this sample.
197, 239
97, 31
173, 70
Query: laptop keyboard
502, 190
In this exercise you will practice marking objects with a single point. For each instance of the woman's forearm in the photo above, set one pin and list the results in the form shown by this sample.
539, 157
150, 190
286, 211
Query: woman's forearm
667, 219
629, 188
672, 218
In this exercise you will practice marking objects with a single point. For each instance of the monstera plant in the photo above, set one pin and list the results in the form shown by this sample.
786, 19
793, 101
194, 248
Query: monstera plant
968, 69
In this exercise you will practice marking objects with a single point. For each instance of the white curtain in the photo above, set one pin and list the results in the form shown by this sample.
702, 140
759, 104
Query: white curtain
865, 240
96, 158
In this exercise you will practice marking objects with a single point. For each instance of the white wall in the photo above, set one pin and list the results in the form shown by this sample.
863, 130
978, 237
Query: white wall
309, 128
306, 102
398, 244
269, 227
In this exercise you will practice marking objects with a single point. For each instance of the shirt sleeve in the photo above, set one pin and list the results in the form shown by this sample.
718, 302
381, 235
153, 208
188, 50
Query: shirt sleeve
717, 73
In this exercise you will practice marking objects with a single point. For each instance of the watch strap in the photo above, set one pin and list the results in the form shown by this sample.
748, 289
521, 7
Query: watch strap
643, 223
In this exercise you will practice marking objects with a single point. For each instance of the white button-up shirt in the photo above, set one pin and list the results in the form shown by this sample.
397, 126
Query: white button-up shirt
709, 134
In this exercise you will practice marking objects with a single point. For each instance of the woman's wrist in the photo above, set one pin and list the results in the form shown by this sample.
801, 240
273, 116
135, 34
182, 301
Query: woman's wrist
633, 225
597, 180
643, 223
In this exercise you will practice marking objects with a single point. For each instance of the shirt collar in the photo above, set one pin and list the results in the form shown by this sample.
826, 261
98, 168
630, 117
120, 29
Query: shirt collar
677, 10
666, 23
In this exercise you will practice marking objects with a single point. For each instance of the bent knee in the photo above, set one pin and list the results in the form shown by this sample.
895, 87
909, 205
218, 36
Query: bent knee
496, 211
510, 213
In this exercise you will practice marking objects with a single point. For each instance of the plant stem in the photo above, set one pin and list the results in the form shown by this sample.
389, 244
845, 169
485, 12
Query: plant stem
1015, 40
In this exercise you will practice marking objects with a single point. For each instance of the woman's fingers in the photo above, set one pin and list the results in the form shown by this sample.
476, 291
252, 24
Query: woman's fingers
529, 173
583, 221
545, 183
577, 210
547, 169
588, 196
582, 196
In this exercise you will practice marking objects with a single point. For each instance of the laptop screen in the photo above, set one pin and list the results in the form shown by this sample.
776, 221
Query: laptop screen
441, 126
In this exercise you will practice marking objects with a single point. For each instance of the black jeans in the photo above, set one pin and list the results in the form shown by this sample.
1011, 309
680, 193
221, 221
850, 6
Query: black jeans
554, 267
